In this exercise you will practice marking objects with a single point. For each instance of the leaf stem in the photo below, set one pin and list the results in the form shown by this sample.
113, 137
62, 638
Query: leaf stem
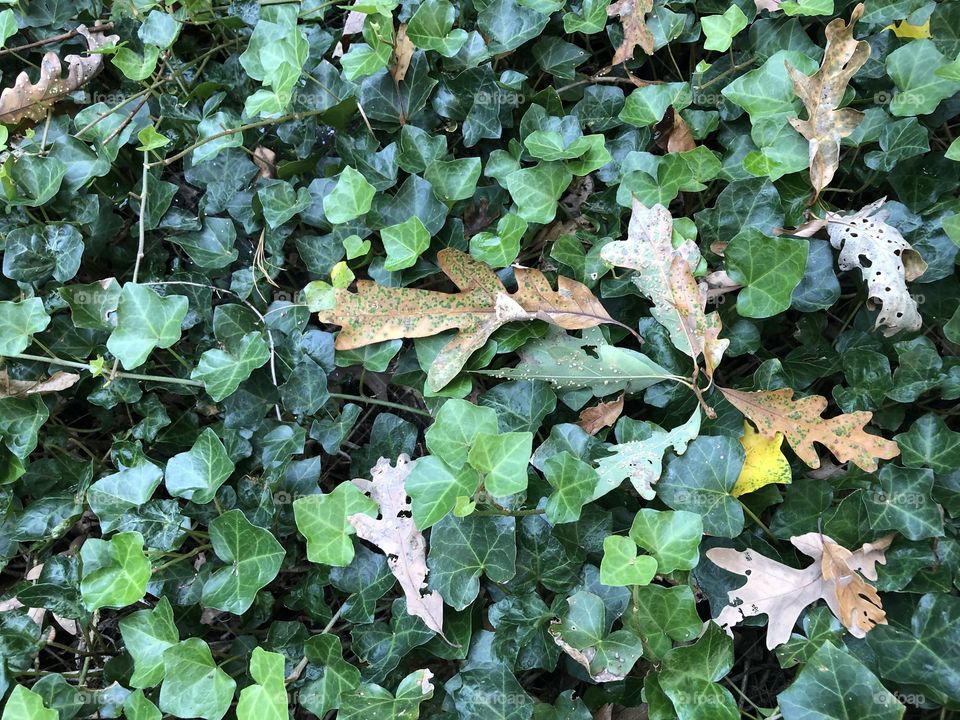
378, 401
750, 514
86, 366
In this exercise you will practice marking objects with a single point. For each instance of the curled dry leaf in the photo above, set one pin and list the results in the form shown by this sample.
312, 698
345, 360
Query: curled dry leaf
827, 123
265, 159
775, 411
771, 5
10, 387
633, 16
351, 26
376, 313
395, 534
672, 133
782, 592
26, 100
664, 275
885, 260
596, 417
402, 54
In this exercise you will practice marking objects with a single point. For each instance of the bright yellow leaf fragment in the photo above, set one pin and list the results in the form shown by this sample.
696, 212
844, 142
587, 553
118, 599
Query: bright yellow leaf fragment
764, 463
903, 29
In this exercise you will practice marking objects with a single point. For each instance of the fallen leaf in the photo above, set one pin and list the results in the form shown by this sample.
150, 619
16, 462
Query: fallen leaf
402, 54
906, 31
782, 592
763, 462
633, 16
25, 100
886, 262
771, 5
775, 411
672, 133
601, 415
265, 159
20, 388
351, 26
395, 534
822, 93
664, 275
376, 313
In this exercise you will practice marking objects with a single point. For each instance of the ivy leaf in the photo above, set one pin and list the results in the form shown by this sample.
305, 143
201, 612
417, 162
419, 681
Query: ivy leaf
213, 246
700, 481
489, 690
145, 321
24, 704
434, 487
431, 28
323, 521
913, 68
404, 243
835, 684
197, 474
113, 495
38, 252
339, 677
462, 549
580, 634
903, 503
536, 190
672, 538
453, 180
267, 699
20, 423
377, 313
350, 198
146, 635
503, 460
690, 673
193, 685
138, 707
114, 572
661, 615
372, 702
19, 321
222, 371
930, 443
621, 566
763, 463
822, 94
774, 411
573, 481
768, 268
721, 29
253, 556
455, 430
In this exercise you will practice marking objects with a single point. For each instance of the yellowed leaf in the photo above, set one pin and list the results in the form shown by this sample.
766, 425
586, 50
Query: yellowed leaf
26, 100
775, 411
376, 313
827, 123
633, 16
596, 417
781, 592
763, 463
906, 31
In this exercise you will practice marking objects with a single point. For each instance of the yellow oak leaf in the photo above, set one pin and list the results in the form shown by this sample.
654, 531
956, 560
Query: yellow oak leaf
764, 463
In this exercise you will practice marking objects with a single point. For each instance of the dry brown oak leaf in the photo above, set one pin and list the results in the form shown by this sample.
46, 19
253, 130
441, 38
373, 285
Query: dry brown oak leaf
827, 123
30, 101
596, 417
633, 16
782, 592
394, 533
774, 411
376, 313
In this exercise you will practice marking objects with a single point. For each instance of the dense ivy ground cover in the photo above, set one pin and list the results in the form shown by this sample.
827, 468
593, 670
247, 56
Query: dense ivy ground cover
440, 359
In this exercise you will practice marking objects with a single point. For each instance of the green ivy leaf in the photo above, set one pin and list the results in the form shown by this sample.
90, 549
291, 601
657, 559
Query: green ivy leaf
453, 180
19, 321
455, 429
503, 459
350, 198
267, 699
114, 572
913, 68
253, 556
145, 321
404, 243
673, 538
146, 635
621, 566
222, 371
536, 190
198, 473
24, 704
112, 496
661, 616
434, 486
721, 29
323, 521
339, 677
574, 483
193, 685
769, 268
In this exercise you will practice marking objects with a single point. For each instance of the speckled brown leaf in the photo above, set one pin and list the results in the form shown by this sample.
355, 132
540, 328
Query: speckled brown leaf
376, 313
827, 123
596, 417
774, 411
664, 275
782, 592
26, 100
633, 16
395, 534
10, 387
402, 54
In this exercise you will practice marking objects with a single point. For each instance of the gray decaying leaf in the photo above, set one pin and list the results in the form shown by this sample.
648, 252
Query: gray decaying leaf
395, 534
886, 262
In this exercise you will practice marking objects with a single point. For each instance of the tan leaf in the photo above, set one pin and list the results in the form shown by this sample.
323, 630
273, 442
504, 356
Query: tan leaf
782, 592
376, 313
827, 123
402, 54
633, 16
25, 100
351, 26
664, 276
885, 260
395, 534
771, 5
10, 387
673, 134
265, 159
597, 417
774, 411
